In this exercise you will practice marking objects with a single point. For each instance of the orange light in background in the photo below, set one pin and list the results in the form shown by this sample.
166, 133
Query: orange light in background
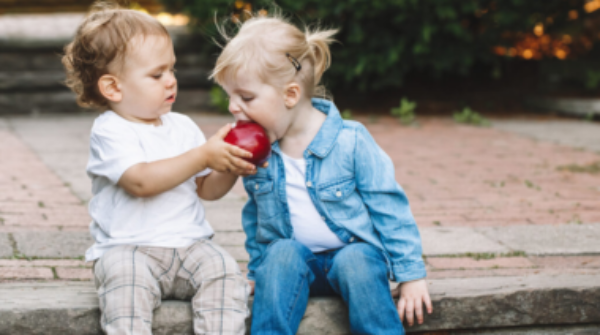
560, 54
591, 6
538, 30
500, 50
527, 54
573, 15
172, 20
239, 4
567, 39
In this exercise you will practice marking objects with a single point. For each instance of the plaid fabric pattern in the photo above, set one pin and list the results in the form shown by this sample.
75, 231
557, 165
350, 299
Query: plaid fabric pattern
132, 281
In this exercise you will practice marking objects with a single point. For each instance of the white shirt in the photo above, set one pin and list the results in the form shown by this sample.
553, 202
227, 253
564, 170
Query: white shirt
174, 218
309, 227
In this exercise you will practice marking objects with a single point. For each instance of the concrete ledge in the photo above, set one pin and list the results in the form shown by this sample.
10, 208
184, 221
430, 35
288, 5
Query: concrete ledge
569, 106
487, 305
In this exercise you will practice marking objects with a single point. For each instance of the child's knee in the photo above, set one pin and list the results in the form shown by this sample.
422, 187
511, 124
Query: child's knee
359, 261
121, 265
285, 252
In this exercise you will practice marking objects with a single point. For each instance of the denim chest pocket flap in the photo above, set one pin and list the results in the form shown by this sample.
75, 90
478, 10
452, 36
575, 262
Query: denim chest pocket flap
261, 186
338, 191
341, 199
267, 202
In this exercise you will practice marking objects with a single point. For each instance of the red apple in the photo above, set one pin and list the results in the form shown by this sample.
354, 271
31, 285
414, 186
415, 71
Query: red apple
251, 137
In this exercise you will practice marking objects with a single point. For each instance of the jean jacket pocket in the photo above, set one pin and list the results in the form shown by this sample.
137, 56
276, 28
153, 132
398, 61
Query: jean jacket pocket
340, 199
266, 200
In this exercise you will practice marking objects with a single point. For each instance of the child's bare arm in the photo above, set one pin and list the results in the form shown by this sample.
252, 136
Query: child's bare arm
215, 185
149, 179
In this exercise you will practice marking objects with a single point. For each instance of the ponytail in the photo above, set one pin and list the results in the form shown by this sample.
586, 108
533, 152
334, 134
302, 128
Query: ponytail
318, 42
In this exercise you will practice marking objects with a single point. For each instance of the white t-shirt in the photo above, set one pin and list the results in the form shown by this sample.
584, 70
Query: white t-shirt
174, 218
309, 227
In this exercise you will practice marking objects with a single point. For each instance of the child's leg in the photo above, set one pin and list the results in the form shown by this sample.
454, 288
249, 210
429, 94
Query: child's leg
130, 280
220, 291
359, 275
282, 288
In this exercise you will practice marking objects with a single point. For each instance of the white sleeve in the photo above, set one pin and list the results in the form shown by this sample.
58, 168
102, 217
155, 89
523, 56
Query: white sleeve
200, 140
113, 151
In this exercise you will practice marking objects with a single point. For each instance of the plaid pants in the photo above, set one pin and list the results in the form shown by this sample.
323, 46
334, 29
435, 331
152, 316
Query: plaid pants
132, 280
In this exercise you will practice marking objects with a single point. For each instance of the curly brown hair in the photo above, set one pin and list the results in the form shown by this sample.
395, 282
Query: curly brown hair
102, 39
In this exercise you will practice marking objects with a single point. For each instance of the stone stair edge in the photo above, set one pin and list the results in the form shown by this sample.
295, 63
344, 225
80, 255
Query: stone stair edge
467, 303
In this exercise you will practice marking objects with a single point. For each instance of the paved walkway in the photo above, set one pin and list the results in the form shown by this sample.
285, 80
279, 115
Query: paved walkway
502, 201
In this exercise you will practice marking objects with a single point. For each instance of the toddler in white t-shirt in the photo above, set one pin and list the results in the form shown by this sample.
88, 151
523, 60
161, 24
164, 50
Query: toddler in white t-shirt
149, 166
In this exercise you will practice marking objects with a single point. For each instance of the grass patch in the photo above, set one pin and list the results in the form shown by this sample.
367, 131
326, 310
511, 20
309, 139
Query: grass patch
470, 117
592, 168
405, 112
487, 255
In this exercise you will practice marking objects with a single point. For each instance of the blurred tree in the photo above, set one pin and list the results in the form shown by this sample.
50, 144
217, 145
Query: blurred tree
381, 41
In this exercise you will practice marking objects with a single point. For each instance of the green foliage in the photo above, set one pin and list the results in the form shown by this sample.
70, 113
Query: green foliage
406, 111
347, 114
219, 99
469, 116
592, 80
381, 41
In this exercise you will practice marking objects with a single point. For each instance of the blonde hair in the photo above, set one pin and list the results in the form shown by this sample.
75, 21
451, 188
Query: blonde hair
101, 39
262, 45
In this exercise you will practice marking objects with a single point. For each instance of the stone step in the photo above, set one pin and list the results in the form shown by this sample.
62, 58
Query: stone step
63, 101
53, 80
563, 240
488, 305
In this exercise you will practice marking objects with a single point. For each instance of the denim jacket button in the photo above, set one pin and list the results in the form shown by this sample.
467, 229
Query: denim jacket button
351, 239
338, 194
309, 184
256, 187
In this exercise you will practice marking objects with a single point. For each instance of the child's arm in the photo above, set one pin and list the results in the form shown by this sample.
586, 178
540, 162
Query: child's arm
392, 218
149, 179
215, 185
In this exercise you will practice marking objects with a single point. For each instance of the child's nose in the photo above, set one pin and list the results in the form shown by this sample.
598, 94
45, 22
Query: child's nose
171, 81
237, 112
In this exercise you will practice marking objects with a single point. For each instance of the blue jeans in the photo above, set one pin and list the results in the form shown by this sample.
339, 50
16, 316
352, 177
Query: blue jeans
290, 273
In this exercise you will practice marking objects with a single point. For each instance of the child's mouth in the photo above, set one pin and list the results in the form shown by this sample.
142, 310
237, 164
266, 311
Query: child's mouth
171, 98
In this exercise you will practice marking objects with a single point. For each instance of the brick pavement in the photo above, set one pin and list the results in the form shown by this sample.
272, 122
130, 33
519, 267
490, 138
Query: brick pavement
455, 176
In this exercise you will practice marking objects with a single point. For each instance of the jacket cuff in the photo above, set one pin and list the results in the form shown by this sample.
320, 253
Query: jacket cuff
402, 272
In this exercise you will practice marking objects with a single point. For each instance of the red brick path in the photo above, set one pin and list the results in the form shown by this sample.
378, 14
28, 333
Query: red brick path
453, 175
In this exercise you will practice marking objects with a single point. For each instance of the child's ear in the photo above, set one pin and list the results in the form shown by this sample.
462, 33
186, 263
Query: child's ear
110, 88
292, 94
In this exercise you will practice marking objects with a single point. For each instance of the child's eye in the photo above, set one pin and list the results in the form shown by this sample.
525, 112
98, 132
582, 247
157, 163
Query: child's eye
157, 76
247, 99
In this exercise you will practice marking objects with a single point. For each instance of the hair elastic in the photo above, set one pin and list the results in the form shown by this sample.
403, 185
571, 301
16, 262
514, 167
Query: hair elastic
294, 62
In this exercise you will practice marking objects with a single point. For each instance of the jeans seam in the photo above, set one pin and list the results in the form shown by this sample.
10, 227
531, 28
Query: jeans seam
298, 290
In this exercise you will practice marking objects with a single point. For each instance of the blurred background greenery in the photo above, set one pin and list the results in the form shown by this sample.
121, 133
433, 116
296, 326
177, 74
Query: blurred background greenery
488, 53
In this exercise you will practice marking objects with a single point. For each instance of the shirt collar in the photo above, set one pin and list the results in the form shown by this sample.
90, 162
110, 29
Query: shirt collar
326, 138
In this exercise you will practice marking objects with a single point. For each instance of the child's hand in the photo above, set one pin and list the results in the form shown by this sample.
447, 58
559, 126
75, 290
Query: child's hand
224, 157
413, 295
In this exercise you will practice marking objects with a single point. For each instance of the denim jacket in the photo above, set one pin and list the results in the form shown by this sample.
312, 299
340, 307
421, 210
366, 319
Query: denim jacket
351, 182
